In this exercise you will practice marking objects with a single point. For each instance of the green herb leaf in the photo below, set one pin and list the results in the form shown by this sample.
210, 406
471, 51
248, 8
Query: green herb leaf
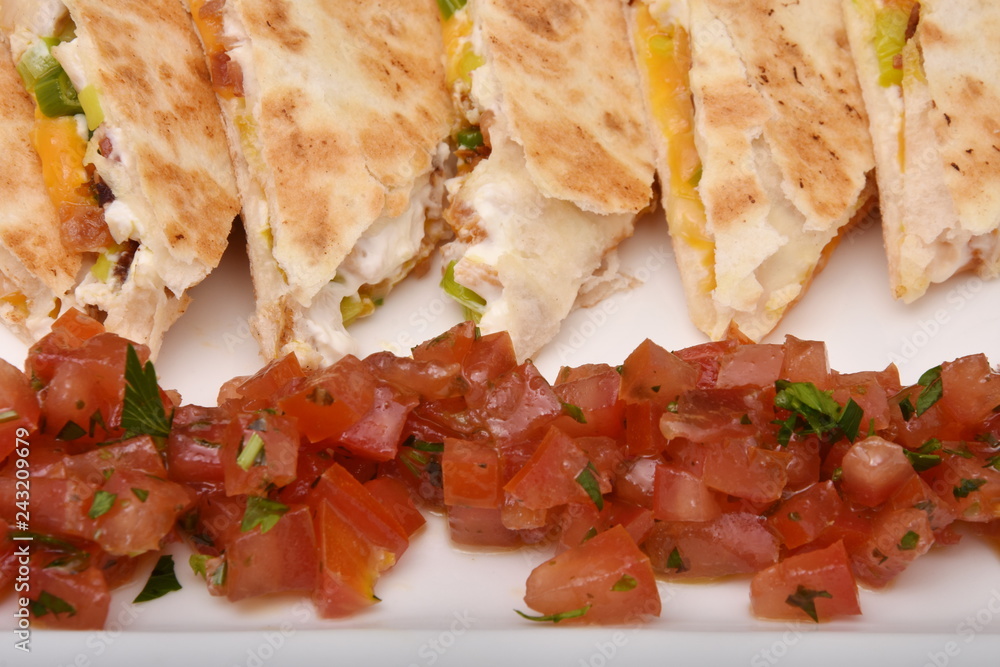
575, 412
592, 533
993, 462
469, 138
909, 541
555, 618
103, 501
71, 431
262, 512
821, 414
906, 407
47, 603
933, 389
675, 562
966, 487
794, 516
197, 563
473, 304
449, 7
9, 416
424, 446
219, 575
161, 581
142, 413
252, 448
141, 494
923, 459
850, 419
805, 599
588, 480
625, 584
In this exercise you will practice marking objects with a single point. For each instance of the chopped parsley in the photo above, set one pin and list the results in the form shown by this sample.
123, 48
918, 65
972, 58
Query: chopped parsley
805, 599
814, 412
253, 449
262, 512
588, 480
924, 458
966, 487
555, 618
142, 412
675, 562
909, 541
933, 389
47, 603
141, 494
626, 583
575, 412
162, 580
102, 502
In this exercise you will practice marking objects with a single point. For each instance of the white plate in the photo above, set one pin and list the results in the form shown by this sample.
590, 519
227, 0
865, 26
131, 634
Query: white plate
442, 606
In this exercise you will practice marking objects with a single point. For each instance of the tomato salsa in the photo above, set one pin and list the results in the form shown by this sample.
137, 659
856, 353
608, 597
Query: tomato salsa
726, 458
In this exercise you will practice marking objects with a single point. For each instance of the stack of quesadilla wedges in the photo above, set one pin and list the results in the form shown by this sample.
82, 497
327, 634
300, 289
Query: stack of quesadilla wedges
556, 159
762, 146
337, 116
930, 72
125, 141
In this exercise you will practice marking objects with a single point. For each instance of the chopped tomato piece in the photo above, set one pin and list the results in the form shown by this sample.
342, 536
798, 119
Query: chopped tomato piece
552, 476
816, 585
67, 600
471, 474
331, 401
142, 512
480, 526
258, 390
738, 468
898, 537
806, 361
590, 395
451, 347
488, 358
750, 365
284, 558
652, 374
734, 543
194, 447
394, 495
377, 434
428, 379
873, 469
19, 409
349, 565
606, 579
265, 455
679, 495
802, 518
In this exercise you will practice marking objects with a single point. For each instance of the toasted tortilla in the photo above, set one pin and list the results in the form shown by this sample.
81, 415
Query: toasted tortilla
168, 166
578, 119
36, 270
936, 140
780, 131
538, 220
339, 131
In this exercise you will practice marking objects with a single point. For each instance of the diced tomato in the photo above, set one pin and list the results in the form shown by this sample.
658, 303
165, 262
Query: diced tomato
377, 434
971, 390
259, 390
636, 482
579, 522
734, 543
19, 409
284, 558
332, 400
551, 477
363, 512
60, 505
67, 600
138, 455
802, 518
449, 347
349, 565
898, 537
707, 358
265, 455
515, 516
750, 365
804, 463
738, 468
607, 579
710, 415
679, 495
873, 469
593, 389
194, 447
216, 522
480, 526
428, 379
488, 358
970, 489
918, 494
816, 585
395, 496
471, 474
520, 404
142, 514
652, 374
871, 397
643, 434
806, 361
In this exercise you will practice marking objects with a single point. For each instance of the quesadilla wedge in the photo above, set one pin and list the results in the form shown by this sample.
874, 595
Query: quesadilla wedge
930, 72
762, 148
132, 153
556, 159
337, 116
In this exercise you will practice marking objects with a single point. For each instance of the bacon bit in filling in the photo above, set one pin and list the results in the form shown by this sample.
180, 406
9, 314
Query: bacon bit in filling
227, 76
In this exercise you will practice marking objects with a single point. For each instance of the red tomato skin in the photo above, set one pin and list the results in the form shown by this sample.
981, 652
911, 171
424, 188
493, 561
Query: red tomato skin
608, 574
738, 468
826, 570
132, 525
488, 358
803, 517
396, 497
357, 508
59, 505
68, 333
471, 474
650, 373
138, 454
194, 448
478, 526
806, 361
864, 389
594, 389
377, 434
87, 592
734, 543
349, 566
643, 434
19, 400
679, 495
285, 558
330, 401
750, 365
520, 405
971, 390
258, 390
951, 481
707, 358
579, 522
636, 481
549, 478
430, 380
917, 493
873, 469
451, 347
804, 464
